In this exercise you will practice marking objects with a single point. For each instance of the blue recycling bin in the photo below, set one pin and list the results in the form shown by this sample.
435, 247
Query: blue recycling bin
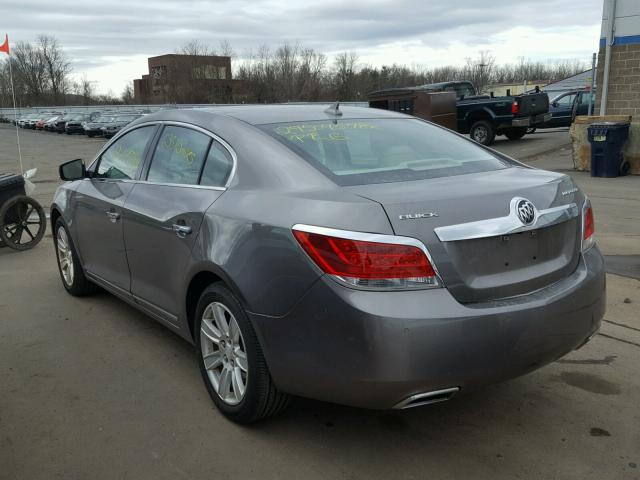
607, 140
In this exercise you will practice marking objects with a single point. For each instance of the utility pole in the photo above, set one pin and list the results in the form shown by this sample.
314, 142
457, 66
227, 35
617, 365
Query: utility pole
610, 39
593, 81
481, 84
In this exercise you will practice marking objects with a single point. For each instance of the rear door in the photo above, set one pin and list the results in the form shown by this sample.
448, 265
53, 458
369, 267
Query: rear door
562, 110
187, 172
98, 206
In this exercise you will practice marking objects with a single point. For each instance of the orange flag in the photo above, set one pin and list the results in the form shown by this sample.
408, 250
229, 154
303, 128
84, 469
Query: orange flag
5, 46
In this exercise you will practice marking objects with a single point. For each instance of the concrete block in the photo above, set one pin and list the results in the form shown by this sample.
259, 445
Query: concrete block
581, 148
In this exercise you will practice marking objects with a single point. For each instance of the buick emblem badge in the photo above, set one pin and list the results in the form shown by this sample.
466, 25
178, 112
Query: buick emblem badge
526, 211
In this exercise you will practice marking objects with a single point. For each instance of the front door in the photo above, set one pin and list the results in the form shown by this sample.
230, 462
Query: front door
186, 174
97, 218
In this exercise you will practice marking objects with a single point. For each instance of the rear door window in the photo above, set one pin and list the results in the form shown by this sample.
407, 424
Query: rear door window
585, 97
218, 166
179, 156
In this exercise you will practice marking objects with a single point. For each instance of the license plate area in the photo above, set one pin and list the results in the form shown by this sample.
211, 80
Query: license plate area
599, 138
511, 259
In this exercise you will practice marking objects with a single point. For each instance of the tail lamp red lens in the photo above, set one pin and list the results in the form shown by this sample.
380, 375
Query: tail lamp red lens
515, 107
365, 263
589, 225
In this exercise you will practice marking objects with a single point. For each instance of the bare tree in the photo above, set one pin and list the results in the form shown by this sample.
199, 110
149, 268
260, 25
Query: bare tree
289, 72
128, 96
56, 64
84, 88
196, 48
226, 50
345, 75
479, 70
28, 63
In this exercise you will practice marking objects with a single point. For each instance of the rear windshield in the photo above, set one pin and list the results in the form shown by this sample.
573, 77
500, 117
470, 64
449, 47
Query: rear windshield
357, 152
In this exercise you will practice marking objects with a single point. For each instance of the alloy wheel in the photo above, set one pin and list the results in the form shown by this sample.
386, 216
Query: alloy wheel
65, 256
224, 353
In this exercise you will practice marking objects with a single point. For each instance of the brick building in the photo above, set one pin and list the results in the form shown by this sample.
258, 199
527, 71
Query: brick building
177, 78
621, 36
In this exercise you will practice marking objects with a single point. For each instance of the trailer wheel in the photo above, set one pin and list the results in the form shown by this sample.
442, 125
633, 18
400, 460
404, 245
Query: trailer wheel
22, 223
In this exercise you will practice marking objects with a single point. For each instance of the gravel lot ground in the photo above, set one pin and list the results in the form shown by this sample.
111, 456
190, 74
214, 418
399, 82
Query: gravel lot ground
90, 388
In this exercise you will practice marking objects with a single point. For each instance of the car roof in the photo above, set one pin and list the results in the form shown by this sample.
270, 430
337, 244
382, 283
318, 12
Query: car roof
265, 114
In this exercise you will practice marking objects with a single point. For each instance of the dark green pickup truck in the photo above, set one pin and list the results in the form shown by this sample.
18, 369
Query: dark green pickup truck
481, 116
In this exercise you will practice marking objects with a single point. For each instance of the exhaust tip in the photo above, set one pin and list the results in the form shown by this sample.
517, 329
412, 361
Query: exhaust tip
427, 398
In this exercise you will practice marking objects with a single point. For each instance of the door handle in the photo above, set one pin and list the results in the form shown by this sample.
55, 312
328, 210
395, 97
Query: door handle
113, 216
181, 230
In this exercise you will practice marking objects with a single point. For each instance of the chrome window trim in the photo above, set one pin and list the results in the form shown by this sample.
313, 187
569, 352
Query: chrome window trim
183, 185
234, 157
510, 224
144, 182
373, 237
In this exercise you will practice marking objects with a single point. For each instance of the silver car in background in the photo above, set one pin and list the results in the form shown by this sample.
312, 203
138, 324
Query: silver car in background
351, 255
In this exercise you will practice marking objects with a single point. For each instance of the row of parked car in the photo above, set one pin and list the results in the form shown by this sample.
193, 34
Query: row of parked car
94, 124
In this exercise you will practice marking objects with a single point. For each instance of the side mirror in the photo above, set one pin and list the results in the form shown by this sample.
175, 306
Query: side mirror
73, 170
554, 104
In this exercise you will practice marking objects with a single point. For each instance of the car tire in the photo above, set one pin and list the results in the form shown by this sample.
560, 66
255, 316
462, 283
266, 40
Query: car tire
483, 132
77, 284
90, 135
261, 398
515, 133
625, 168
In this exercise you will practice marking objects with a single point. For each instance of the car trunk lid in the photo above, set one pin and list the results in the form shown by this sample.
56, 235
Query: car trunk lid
464, 222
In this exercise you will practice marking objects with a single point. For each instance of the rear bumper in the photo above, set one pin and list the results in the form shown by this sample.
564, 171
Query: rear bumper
532, 120
376, 349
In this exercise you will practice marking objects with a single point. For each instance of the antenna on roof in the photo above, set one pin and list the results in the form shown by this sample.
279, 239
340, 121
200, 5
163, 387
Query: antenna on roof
334, 110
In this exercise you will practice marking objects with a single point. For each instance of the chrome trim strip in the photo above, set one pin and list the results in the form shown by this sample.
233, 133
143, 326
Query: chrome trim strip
508, 225
183, 185
144, 182
372, 237
221, 141
427, 398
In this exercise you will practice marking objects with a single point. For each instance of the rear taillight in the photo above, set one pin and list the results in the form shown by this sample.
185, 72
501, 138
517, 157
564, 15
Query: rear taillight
368, 260
515, 108
588, 226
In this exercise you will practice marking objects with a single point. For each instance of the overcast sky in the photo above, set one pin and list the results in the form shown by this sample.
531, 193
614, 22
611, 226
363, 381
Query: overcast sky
111, 40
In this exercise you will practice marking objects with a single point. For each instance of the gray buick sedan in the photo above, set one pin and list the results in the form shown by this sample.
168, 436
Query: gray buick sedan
351, 255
